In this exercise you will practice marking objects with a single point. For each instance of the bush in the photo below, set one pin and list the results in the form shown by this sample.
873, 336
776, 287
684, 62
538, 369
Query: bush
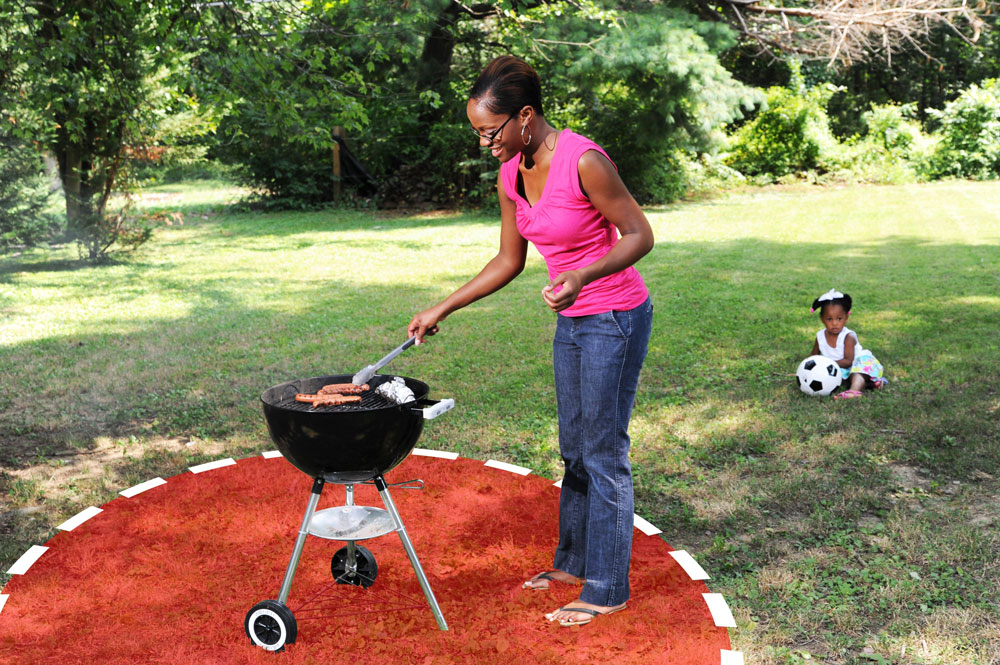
24, 195
790, 134
893, 149
969, 134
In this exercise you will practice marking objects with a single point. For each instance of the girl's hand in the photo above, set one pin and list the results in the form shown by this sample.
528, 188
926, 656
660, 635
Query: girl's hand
562, 291
424, 323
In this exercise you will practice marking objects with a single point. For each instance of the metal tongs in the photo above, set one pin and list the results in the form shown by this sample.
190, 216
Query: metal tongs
365, 375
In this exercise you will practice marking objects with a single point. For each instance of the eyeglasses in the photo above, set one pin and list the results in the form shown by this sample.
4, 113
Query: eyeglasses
491, 137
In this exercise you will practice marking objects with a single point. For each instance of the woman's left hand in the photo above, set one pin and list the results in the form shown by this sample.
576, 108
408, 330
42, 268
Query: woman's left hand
562, 291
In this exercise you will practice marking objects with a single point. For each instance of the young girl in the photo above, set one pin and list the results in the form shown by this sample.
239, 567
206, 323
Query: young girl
839, 343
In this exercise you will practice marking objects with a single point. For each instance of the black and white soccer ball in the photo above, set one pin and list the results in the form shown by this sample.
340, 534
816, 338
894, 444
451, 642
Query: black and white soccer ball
818, 376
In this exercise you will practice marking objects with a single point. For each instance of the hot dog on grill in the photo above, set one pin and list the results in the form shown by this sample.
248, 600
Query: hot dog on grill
327, 400
343, 389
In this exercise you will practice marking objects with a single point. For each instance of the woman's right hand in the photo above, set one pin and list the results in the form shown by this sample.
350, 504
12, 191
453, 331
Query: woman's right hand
424, 323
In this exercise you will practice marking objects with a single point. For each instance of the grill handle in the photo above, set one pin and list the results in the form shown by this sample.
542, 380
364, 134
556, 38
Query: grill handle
434, 408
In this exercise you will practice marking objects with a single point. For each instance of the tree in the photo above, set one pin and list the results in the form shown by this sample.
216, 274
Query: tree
24, 193
75, 74
79, 75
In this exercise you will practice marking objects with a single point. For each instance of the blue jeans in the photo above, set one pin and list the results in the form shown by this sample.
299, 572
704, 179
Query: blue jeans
597, 359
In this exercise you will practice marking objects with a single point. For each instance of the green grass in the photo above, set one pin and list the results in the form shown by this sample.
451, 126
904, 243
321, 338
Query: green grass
858, 532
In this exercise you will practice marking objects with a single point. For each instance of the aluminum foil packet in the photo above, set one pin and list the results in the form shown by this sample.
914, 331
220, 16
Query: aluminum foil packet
396, 391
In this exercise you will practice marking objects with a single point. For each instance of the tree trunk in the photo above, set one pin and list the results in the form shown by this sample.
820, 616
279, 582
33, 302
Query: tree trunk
435, 61
70, 171
82, 189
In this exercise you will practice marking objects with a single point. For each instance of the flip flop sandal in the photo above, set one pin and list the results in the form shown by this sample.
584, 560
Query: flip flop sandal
848, 394
546, 575
584, 610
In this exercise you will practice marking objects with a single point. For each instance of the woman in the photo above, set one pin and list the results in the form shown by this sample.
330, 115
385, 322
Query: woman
562, 192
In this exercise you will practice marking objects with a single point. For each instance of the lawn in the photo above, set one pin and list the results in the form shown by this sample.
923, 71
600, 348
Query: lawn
856, 532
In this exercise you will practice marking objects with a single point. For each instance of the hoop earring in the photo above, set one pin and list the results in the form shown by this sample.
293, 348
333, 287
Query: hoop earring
528, 142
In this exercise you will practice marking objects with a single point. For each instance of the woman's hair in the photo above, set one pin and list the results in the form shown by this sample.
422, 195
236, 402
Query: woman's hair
508, 84
832, 298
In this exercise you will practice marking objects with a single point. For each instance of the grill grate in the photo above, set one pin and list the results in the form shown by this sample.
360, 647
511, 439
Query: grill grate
282, 396
369, 400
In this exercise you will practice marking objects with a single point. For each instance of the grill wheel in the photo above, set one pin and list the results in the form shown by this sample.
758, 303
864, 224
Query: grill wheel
365, 569
270, 625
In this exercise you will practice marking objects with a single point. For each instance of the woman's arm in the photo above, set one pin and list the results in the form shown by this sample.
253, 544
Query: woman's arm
602, 184
501, 269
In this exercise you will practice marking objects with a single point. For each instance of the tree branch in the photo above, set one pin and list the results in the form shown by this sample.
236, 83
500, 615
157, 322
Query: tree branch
847, 31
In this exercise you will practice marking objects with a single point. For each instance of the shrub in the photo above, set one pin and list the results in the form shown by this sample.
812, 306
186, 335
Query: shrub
890, 128
790, 134
893, 149
24, 195
969, 134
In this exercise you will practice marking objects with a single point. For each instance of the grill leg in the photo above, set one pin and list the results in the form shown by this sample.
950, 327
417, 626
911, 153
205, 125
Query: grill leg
383, 491
352, 551
286, 585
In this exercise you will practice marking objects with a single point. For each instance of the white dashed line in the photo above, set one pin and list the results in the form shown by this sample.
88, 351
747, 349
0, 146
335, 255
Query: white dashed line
559, 483
3, 600
690, 566
79, 518
721, 615
22, 565
645, 526
271, 454
731, 657
208, 466
504, 466
142, 487
435, 453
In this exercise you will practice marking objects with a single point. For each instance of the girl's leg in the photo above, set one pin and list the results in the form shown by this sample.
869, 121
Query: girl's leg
857, 381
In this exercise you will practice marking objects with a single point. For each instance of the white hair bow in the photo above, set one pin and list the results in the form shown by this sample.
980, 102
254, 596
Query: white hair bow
832, 294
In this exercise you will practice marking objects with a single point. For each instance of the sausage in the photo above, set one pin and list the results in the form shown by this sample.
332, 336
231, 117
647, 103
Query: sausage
343, 389
327, 400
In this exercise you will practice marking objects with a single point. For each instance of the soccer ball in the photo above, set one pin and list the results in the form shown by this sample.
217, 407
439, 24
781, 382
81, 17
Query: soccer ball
818, 376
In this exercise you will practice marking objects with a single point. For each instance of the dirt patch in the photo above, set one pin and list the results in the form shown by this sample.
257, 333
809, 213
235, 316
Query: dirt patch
908, 477
63, 472
984, 506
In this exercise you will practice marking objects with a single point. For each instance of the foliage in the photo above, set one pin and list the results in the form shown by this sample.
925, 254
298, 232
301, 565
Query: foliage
288, 77
24, 194
84, 95
646, 85
181, 132
298, 175
605, 71
893, 149
970, 134
790, 133
652, 90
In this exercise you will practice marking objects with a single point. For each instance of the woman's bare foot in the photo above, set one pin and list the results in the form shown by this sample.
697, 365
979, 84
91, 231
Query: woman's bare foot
540, 582
578, 613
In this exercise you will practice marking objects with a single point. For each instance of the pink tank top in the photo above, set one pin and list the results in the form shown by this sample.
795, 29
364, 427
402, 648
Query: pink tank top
570, 233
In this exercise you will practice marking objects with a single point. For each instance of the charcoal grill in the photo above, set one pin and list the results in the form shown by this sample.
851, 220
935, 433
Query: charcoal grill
347, 444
